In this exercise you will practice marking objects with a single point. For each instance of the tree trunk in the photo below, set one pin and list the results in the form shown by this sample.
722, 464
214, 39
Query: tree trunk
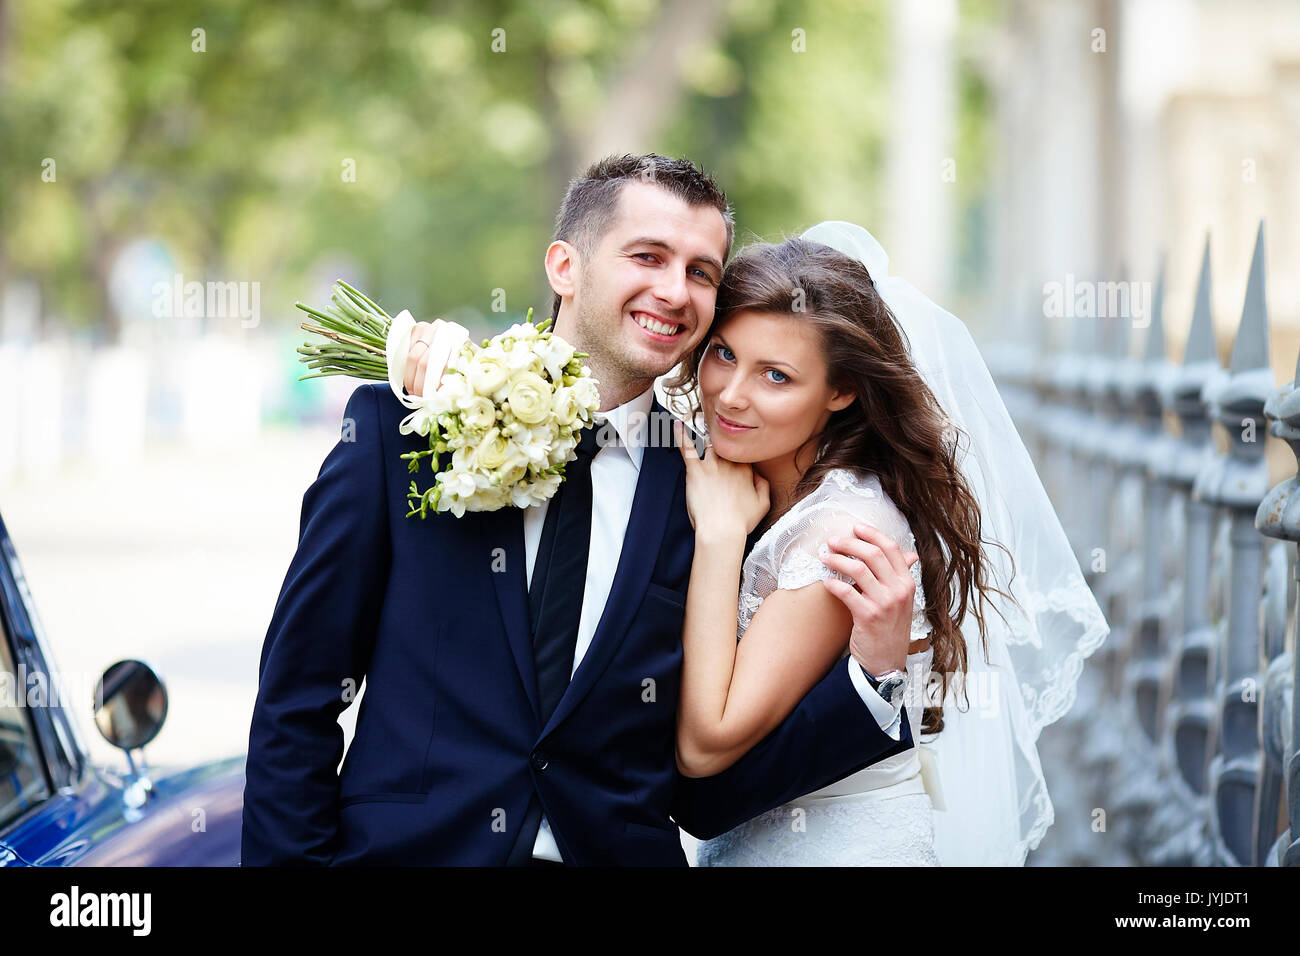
643, 92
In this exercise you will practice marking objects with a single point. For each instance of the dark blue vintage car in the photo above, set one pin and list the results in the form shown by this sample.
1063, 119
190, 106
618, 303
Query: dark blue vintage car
59, 809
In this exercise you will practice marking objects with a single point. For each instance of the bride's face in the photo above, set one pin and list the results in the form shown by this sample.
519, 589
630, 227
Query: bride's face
763, 386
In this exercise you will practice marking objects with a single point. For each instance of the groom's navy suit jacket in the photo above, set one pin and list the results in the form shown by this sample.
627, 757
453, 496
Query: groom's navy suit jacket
449, 745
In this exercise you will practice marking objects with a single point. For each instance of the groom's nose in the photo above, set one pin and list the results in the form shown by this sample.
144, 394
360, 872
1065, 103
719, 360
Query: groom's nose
671, 289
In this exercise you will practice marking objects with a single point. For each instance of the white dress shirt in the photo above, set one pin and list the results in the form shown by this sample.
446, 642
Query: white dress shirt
614, 473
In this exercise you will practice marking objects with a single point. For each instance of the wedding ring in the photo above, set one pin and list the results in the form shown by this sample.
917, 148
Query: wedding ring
419, 342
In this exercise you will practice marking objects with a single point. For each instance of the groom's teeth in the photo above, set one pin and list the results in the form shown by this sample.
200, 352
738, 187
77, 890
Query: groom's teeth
656, 326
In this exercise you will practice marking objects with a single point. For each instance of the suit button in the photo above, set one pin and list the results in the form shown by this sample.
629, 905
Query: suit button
539, 760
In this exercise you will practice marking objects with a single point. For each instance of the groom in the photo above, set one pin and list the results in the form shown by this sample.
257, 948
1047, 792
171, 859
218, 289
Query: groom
522, 666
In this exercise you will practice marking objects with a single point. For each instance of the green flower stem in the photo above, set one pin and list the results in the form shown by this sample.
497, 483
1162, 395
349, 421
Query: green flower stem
364, 298
355, 373
345, 339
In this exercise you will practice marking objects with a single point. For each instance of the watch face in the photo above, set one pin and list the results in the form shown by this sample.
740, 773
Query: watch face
891, 688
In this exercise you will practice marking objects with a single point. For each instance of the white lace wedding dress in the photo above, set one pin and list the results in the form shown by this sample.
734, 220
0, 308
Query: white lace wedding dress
879, 816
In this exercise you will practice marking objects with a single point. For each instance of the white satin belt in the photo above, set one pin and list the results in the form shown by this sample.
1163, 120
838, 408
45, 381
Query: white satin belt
916, 772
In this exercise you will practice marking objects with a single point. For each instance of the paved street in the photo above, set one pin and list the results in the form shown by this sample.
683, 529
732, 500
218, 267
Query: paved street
175, 559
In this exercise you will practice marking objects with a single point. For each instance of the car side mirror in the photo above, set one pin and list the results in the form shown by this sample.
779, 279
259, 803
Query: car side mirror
130, 704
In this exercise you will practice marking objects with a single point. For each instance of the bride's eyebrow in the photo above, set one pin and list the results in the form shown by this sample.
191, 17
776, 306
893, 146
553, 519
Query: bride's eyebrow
718, 336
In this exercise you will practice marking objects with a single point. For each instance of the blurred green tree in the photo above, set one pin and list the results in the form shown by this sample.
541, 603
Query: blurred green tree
428, 143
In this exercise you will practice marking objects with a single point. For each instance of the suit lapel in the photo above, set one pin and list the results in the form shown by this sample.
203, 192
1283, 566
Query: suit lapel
506, 525
661, 468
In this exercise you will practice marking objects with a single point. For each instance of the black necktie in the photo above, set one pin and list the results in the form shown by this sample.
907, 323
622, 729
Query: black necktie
560, 576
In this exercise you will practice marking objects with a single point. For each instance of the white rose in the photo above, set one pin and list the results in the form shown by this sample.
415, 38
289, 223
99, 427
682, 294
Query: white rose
477, 412
565, 406
530, 398
515, 460
492, 450
509, 477
488, 373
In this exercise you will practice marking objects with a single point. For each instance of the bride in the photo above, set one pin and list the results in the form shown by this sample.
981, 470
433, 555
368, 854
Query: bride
834, 396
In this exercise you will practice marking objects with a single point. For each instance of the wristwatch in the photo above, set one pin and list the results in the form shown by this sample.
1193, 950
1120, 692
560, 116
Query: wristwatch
889, 685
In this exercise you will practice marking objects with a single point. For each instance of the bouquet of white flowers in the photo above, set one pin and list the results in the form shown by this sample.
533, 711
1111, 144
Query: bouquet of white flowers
509, 411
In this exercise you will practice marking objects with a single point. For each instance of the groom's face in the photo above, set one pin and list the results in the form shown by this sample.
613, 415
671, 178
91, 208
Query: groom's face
644, 296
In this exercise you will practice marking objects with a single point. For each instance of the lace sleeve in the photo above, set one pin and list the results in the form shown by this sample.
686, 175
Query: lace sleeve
842, 501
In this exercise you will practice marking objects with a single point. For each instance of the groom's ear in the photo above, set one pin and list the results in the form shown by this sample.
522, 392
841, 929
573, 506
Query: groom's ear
561, 267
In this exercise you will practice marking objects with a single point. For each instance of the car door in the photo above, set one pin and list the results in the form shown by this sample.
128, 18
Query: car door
23, 783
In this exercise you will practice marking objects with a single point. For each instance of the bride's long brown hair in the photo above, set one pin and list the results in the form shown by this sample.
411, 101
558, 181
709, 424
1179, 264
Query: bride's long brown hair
895, 429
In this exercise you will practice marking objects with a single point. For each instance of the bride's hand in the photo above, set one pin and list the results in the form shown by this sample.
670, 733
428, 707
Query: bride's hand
722, 497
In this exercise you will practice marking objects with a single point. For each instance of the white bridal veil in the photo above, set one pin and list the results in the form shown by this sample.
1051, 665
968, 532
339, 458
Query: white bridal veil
997, 803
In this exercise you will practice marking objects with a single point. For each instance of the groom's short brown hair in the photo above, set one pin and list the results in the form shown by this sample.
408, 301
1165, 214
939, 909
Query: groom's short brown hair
590, 201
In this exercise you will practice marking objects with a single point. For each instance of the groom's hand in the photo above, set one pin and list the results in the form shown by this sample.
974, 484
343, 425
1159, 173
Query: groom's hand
417, 359
881, 603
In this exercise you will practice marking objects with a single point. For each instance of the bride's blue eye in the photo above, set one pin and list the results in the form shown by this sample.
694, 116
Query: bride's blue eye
784, 378
720, 349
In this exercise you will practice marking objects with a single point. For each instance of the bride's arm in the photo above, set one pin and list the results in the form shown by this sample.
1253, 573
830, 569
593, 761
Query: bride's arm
733, 694
708, 643
725, 500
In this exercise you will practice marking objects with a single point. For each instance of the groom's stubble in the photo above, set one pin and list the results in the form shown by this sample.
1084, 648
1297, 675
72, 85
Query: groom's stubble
595, 318
596, 330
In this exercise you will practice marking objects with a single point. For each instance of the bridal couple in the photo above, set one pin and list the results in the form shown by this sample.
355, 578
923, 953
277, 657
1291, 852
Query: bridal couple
830, 639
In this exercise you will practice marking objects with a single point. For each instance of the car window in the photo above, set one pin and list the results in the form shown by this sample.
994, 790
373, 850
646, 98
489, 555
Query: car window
22, 784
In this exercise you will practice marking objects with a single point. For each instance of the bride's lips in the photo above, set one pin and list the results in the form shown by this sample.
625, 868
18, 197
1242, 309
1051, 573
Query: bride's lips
734, 428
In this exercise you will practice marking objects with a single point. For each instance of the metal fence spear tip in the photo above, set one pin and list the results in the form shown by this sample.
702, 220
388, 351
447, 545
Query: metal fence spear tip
1250, 351
1200, 337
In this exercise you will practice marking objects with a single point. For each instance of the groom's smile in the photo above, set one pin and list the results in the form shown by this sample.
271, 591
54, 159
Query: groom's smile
657, 327
645, 294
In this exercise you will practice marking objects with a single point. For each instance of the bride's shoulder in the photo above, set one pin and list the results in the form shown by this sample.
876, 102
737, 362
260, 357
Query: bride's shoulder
841, 487
846, 496
862, 483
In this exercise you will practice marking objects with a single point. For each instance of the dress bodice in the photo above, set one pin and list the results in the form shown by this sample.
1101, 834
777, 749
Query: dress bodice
788, 557
881, 815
